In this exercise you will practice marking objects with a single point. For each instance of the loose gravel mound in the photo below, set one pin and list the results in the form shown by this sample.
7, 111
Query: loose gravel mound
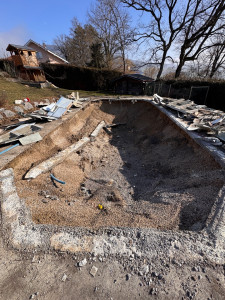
142, 172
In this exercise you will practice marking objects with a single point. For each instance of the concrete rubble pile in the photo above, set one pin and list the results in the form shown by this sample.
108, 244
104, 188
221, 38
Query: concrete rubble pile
19, 132
210, 123
54, 111
25, 131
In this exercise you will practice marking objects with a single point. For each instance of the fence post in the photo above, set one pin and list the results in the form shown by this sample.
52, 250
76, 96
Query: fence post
206, 95
190, 94
169, 90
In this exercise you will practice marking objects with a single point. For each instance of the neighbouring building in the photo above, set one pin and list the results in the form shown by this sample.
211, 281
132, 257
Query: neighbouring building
26, 63
44, 54
132, 84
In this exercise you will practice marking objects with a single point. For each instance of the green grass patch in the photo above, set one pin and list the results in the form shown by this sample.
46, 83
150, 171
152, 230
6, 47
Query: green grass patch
10, 91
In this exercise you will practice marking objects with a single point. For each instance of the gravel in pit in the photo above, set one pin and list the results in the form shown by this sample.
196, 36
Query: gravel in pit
144, 172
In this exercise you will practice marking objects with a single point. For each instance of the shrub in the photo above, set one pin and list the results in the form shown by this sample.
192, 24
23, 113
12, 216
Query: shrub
72, 77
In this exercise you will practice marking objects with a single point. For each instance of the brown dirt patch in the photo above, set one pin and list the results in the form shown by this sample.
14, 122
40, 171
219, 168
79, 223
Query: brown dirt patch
145, 173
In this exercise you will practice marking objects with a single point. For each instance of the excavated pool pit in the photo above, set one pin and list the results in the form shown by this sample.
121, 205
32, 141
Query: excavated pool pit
144, 171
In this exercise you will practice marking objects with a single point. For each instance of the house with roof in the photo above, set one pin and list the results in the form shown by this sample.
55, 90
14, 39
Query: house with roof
26, 63
45, 53
132, 84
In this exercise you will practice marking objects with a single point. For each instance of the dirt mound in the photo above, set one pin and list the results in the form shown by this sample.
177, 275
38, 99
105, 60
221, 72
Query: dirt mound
141, 173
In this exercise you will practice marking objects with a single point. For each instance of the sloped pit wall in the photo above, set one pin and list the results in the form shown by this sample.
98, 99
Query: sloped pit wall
63, 136
161, 178
22, 233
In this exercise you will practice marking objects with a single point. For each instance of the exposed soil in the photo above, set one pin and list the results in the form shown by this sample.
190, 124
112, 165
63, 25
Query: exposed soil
144, 172
57, 276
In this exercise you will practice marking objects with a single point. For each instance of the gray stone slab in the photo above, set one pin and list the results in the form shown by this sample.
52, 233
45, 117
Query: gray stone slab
18, 109
23, 129
8, 113
33, 138
6, 173
28, 105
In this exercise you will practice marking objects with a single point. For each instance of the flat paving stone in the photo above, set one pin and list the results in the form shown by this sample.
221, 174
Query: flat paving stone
8, 113
28, 106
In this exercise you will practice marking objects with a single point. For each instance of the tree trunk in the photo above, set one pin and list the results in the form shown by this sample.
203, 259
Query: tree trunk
178, 70
162, 65
124, 62
214, 67
212, 72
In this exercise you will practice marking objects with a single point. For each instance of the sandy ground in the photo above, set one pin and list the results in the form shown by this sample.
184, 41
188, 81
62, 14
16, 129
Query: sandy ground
57, 276
138, 167
144, 173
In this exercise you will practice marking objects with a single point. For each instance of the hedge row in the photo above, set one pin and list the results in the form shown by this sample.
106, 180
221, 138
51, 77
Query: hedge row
71, 77
196, 90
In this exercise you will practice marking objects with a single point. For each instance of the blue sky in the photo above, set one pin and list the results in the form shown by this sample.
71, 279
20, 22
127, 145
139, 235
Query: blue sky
42, 20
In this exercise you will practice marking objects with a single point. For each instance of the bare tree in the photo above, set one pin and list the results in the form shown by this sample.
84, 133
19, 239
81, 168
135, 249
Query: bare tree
111, 22
212, 61
192, 22
77, 46
62, 42
167, 18
121, 22
216, 55
203, 24
151, 71
199, 68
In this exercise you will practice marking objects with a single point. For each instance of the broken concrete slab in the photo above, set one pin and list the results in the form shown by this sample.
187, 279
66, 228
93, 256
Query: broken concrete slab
95, 133
29, 139
52, 111
18, 109
20, 131
202, 117
219, 120
28, 106
8, 113
55, 160
25, 129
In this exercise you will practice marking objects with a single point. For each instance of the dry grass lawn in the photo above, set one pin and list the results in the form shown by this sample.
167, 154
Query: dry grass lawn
10, 91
